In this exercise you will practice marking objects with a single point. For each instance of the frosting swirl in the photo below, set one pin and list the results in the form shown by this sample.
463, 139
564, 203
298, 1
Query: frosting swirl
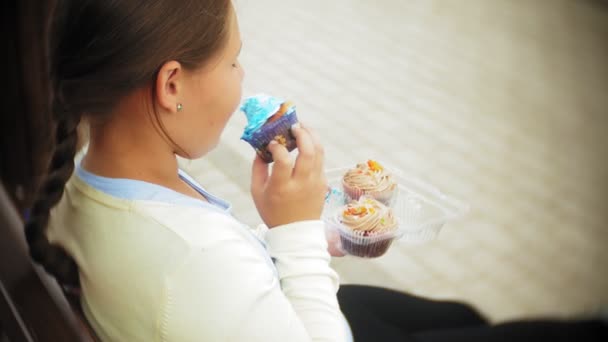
258, 109
368, 216
369, 177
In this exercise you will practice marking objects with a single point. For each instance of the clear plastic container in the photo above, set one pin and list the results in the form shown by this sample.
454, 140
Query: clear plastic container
421, 211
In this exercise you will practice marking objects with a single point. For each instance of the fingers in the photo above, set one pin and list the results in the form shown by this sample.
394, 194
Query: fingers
259, 175
282, 169
308, 163
290, 192
306, 156
319, 151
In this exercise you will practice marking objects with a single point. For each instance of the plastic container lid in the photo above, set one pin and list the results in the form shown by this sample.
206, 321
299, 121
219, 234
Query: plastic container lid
421, 209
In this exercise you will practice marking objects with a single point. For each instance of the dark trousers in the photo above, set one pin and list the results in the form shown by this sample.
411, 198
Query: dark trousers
377, 314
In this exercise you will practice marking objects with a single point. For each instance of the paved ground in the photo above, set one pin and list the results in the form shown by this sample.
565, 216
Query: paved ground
502, 103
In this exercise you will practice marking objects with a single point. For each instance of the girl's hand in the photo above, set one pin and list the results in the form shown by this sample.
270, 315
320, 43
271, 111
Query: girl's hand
334, 245
291, 192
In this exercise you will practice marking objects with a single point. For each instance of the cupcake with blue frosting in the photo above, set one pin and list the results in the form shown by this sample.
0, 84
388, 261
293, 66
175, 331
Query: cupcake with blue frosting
268, 118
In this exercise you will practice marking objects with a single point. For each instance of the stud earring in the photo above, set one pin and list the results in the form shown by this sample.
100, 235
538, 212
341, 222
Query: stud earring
179, 107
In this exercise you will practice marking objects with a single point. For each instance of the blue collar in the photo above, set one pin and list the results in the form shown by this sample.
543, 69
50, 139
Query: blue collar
132, 189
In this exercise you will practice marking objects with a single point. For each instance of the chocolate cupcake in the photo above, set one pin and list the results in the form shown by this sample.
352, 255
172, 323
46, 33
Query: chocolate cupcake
372, 180
269, 118
367, 227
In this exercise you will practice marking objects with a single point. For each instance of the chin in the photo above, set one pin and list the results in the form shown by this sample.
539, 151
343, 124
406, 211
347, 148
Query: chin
192, 154
196, 154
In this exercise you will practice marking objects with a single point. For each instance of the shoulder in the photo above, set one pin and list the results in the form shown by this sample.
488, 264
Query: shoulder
198, 225
194, 224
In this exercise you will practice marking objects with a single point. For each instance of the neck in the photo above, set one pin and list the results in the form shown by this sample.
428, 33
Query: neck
123, 153
127, 145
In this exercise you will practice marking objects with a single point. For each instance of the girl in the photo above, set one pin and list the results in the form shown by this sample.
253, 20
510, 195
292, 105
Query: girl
156, 256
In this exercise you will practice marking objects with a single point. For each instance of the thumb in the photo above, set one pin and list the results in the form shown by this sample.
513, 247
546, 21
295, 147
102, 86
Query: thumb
259, 175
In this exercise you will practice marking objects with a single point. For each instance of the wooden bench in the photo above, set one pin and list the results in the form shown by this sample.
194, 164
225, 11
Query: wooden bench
32, 305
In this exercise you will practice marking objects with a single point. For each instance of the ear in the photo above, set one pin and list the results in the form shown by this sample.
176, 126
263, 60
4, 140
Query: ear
169, 86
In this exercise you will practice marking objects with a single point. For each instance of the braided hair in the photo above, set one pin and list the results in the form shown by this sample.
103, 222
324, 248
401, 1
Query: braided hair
53, 258
101, 51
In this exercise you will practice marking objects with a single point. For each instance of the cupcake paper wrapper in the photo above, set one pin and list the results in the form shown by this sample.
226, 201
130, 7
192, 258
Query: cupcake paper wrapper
355, 243
279, 130
366, 246
385, 196
373, 250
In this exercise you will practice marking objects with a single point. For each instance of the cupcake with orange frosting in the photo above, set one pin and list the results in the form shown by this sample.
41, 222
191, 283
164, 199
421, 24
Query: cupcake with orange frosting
370, 179
367, 227
268, 118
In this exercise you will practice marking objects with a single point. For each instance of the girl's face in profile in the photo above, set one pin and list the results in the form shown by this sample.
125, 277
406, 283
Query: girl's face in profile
213, 93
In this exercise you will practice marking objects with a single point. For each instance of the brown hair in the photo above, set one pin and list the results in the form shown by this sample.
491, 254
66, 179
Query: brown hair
101, 51
25, 133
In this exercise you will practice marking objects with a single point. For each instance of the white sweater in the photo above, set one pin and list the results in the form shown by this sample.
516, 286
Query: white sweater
157, 271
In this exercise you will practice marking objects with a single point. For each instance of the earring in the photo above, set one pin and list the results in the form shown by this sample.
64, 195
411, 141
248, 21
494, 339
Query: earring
179, 107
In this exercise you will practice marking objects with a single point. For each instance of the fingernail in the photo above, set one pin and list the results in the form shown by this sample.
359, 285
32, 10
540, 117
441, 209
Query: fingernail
296, 125
273, 142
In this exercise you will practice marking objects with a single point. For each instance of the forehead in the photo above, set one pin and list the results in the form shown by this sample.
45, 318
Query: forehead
229, 49
233, 27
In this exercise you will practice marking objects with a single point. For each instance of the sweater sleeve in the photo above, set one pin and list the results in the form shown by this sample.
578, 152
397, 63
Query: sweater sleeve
307, 280
228, 291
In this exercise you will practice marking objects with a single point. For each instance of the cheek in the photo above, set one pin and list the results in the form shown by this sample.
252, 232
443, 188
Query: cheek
224, 110
225, 100
234, 89
232, 99
236, 98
